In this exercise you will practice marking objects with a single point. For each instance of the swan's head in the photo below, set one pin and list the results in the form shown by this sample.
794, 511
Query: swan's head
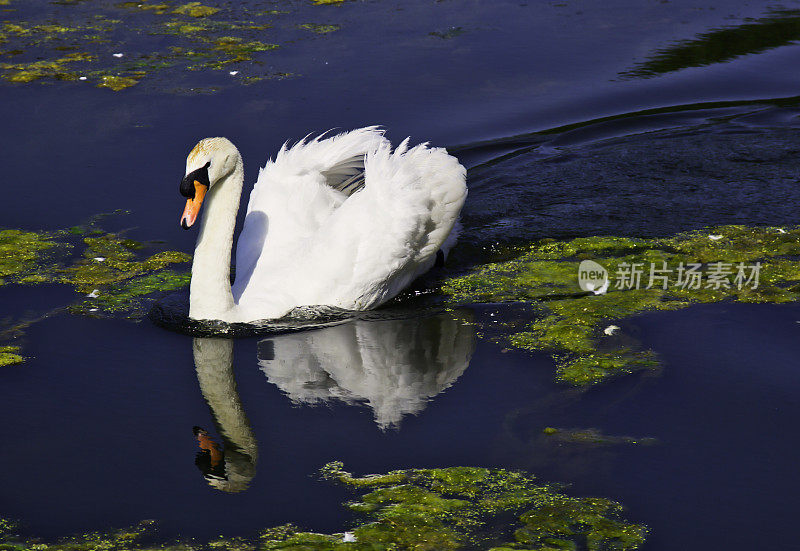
209, 162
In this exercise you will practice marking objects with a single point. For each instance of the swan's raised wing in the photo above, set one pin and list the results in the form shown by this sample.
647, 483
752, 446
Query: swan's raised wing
380, 239
307, 241
348, 176
295, 194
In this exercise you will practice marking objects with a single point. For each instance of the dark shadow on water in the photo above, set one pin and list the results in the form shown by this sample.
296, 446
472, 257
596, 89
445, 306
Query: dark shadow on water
779, 28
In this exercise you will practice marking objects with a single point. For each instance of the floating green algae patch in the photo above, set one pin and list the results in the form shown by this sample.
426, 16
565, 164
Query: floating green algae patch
60, 68
319, 29
195, 9
736, 263
118, 45
110, 267
238, 50
110, 273
113, 271
593, 437
452, 32
120, 540
9, 356
421, 509
21, 253
469, 507
117, 83
157, 8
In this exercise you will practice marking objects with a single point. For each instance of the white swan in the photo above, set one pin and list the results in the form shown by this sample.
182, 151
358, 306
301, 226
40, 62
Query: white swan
341, 221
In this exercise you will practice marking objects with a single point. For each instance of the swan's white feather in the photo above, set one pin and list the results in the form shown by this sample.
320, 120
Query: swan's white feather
306, 243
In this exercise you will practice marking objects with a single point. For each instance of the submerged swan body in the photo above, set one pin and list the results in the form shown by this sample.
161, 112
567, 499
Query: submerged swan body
343, 221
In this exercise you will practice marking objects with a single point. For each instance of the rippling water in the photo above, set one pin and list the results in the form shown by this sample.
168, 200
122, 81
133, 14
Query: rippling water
575, 118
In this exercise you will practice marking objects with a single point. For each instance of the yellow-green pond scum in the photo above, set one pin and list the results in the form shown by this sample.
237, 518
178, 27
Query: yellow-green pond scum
578, 327
416, 509
111, 275
118, 45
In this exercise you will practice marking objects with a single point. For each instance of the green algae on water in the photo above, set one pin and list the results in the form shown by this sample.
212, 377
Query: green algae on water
577, 327
452, 32
116, 279
143, 5
92, 44
119, 540
237, 49
319, 29
116, 82
58, 69
469, 507
417, 509
594, 437
9, 356
111, 274
195, 9
21, 253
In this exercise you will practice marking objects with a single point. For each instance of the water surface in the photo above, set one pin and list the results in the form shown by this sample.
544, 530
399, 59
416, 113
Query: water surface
575, 119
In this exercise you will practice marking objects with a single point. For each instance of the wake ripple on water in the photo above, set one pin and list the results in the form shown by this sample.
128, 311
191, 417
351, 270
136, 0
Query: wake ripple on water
647, 176
172, 313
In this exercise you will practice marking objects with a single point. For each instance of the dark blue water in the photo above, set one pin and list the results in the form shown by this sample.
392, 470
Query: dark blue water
569, 127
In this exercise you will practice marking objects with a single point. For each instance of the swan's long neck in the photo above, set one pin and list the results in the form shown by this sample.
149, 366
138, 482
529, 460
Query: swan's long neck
210, 294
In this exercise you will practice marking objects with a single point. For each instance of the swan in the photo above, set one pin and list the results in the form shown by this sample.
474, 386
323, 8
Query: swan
342, 221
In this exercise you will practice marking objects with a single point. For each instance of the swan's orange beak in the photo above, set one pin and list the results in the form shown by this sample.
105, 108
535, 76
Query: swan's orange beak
193, 205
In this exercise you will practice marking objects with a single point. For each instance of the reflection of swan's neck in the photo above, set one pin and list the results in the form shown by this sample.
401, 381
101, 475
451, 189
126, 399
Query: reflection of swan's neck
210, 290
213, 360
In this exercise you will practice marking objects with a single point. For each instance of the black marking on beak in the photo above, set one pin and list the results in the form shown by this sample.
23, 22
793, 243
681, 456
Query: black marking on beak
199, 175
183, 224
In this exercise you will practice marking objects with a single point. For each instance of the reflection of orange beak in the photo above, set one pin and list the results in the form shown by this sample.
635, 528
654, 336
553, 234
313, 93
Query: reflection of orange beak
206, 443
193, 206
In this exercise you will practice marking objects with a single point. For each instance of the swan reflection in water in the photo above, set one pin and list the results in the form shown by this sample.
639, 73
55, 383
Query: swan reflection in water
395, 366
231, 468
